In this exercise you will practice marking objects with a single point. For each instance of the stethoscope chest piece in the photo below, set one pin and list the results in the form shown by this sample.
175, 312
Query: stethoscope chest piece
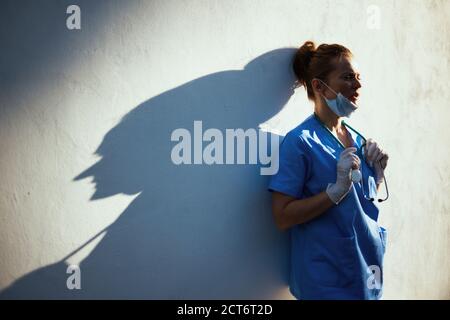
356, 175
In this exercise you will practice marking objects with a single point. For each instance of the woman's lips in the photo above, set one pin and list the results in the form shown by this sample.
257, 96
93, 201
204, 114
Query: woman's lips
353, 98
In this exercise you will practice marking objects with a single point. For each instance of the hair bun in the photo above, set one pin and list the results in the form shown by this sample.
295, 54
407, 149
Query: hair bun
302, 60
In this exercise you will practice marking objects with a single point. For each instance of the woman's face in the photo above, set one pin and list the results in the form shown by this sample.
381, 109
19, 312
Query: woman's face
344, 79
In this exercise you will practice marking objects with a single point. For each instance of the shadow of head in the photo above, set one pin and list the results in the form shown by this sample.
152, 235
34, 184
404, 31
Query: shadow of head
136, 153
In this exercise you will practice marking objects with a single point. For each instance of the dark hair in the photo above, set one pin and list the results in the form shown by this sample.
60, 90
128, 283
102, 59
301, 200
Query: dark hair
311, 62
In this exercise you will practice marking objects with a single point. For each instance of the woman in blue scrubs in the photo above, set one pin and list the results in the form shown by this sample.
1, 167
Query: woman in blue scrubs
328, 179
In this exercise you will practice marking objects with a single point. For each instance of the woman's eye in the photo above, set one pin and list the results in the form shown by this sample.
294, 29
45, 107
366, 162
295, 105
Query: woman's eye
352, 77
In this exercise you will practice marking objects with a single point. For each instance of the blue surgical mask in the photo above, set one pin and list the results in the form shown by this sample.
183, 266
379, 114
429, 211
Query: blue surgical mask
340, 105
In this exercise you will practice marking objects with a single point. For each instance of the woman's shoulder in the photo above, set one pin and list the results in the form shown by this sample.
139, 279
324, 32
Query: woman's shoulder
304, 132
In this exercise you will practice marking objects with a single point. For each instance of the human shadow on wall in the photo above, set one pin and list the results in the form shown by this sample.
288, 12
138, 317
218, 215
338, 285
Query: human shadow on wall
193, 231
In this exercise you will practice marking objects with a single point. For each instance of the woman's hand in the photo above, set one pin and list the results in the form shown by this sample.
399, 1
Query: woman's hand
376, 158
348, 160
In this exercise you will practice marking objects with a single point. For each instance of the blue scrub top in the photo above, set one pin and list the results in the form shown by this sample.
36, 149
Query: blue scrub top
338, 255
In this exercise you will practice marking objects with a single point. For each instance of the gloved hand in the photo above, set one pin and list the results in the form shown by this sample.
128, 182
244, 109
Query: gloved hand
348, 160
376, 158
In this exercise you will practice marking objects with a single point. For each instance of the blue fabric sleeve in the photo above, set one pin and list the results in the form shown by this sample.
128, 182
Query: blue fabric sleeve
293, 167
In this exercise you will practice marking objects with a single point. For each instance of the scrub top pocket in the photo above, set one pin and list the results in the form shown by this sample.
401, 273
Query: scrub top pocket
332, 261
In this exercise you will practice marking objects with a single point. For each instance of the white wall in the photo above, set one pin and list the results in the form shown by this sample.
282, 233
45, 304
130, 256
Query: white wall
85, 124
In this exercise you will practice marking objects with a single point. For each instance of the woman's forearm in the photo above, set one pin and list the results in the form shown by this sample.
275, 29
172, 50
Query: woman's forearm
304, 210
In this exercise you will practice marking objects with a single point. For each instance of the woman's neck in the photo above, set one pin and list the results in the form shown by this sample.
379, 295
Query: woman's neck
329, 118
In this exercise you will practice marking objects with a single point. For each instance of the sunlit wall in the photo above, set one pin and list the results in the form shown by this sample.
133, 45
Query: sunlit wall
86, 118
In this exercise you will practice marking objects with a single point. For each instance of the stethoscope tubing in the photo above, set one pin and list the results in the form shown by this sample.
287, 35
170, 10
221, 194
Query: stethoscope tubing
360, 151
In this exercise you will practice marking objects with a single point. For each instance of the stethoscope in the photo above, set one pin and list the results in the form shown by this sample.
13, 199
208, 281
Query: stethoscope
356, 175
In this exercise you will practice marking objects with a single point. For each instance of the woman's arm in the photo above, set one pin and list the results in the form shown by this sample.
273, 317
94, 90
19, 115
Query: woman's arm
289, 211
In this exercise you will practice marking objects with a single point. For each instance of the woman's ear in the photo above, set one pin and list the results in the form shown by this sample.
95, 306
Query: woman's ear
317, 85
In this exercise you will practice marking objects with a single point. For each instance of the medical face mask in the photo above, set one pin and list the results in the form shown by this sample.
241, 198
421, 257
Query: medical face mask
340, 105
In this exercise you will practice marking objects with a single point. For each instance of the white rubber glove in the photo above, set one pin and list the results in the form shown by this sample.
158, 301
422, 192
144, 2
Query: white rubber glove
376, 158
348, 160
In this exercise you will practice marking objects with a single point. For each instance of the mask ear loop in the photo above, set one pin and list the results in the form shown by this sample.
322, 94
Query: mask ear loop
337, 94
327, 87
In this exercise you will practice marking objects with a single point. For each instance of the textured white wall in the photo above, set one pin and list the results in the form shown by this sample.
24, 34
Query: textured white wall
85, 124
